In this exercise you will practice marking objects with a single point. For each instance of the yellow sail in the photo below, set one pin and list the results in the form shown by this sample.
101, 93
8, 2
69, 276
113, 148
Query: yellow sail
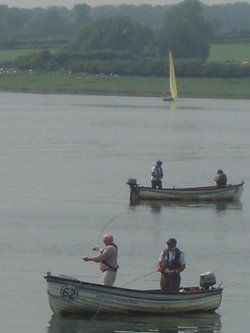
172, 79
172, 94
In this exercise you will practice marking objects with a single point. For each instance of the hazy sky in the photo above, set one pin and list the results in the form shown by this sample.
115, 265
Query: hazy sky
92, 3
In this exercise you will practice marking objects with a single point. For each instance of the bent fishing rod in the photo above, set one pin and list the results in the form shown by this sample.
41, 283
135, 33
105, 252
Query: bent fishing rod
106, 224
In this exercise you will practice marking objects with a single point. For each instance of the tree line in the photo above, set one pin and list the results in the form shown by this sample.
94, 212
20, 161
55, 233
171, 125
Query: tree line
60, 20
117, 44
184, 29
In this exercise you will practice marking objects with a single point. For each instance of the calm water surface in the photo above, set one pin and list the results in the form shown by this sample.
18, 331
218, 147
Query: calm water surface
64, 165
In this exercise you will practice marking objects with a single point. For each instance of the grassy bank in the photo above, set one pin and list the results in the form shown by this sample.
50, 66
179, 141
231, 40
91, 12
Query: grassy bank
121, 85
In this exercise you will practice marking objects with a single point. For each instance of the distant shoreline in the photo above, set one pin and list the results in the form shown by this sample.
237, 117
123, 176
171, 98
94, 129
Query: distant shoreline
90, 84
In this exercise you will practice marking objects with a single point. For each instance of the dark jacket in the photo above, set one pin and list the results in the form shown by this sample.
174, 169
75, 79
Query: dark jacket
174, 264
222, 180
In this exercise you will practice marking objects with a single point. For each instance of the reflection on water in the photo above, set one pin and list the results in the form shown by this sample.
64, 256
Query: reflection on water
156, 205
209, 322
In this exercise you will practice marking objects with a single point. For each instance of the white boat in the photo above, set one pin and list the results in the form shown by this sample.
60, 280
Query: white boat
70, 295
173, 94
203, 193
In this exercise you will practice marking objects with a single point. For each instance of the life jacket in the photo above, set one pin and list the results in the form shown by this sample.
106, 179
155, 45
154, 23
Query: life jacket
109, 266
173, 264
157, 172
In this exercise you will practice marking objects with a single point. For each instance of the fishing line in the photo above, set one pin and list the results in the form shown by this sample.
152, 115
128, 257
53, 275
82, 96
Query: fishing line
110, 221
205, 176
102, 302
140, 277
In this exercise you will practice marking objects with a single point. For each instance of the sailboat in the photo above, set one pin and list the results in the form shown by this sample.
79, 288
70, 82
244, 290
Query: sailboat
172, 81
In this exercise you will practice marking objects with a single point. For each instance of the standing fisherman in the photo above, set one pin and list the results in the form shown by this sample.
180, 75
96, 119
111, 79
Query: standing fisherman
107, 259
171, 263
157, 175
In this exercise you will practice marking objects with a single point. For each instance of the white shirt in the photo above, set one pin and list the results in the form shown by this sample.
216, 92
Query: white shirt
156, 171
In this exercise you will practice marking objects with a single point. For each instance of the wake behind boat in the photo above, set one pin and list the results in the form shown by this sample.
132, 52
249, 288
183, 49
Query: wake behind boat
203, 193
70, 295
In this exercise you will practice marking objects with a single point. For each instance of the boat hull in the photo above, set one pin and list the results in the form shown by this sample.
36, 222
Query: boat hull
168, 99
68, 295
205, 193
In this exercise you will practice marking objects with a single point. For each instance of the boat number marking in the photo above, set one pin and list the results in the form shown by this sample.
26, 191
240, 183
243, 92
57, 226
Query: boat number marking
69, 292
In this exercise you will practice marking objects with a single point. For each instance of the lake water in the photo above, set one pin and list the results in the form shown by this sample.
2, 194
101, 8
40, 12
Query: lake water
64, 165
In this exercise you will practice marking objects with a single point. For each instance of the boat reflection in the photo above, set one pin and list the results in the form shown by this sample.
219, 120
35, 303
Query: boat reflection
157, 205
209, 322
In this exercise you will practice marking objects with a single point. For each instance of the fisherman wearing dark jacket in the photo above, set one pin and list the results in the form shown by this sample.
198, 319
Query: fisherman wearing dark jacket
220, 179
171, 263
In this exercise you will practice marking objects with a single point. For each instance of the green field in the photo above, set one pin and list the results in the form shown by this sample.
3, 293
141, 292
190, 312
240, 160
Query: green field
12, 54
233, 52
83, 83
121, 85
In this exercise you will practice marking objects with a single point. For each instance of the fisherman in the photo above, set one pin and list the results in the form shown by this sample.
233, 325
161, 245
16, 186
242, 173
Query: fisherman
107, 259
171, 263
220, 179
157, 175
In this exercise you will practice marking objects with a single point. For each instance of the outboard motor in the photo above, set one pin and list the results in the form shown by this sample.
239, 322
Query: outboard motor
132, 182
207, 280
134, 191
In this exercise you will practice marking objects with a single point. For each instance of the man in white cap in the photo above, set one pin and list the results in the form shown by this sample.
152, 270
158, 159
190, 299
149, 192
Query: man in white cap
157, 175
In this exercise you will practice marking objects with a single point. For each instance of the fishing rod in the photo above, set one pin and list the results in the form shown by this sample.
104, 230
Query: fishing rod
141, 276
106, 224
